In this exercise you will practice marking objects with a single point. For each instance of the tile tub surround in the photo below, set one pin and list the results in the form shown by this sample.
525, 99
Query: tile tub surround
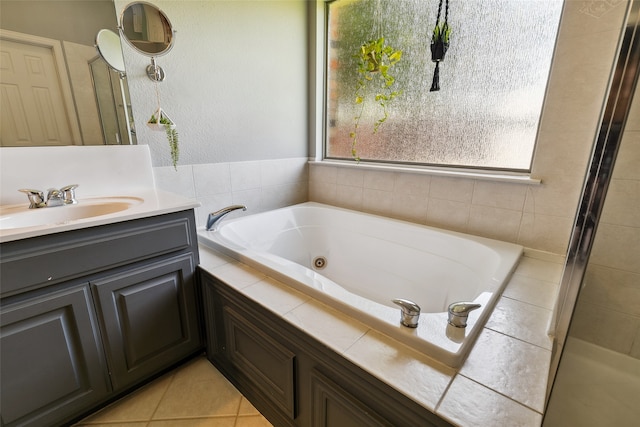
534, 216
502, 382
260, 185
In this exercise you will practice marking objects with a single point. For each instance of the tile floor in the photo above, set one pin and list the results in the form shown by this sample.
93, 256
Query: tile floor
194, 394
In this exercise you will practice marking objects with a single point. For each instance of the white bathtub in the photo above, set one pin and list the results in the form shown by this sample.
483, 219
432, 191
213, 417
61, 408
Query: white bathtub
371, 260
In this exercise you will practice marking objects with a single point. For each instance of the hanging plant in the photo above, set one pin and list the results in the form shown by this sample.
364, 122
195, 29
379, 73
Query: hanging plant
164, 123
439, 44
375, 61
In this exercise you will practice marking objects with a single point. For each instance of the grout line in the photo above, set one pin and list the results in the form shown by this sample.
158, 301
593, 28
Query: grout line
173, 376
501, 394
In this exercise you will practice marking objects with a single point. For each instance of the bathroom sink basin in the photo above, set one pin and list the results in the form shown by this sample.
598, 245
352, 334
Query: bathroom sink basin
21, 216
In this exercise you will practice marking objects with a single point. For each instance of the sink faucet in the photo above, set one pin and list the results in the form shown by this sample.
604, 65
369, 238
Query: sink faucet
65, 196
459, 313
410, 312
214, 217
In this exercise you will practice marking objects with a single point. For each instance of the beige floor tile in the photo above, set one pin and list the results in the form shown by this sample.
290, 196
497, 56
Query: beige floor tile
196, 422
252, 421
137, 406
246, 408
199, 369
194, 394
138, 424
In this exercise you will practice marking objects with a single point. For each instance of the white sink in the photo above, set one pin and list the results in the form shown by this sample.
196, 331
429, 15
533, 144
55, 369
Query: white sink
12, 217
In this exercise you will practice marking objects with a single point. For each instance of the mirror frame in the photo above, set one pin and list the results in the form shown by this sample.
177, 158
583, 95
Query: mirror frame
110, 49
172, 31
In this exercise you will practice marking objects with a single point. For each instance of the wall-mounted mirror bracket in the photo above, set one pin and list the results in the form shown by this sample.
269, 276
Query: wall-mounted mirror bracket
154, 71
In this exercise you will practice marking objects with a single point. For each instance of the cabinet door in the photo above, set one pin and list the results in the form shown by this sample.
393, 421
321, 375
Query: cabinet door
261, 359
333, 406
149, 318
52, 362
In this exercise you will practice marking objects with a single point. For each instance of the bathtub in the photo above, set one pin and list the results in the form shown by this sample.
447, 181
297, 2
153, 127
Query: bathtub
358, 263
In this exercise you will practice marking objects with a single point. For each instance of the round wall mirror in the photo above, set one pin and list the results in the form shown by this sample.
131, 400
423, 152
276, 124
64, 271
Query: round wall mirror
108, 45
147, 29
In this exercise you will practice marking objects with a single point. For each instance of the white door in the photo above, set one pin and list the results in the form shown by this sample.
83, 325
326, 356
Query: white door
33, 99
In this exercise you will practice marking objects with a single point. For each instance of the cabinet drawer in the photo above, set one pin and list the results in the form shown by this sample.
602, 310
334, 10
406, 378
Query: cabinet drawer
265, 362
32, 263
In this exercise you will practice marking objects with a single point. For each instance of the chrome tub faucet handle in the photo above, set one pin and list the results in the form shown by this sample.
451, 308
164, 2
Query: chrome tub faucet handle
459, 313
409, 312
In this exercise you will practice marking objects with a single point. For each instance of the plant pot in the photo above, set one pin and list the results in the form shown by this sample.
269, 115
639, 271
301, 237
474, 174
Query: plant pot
161, 116
438, 50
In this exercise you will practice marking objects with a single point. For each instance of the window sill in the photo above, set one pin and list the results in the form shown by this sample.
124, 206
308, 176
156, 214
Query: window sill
498, 176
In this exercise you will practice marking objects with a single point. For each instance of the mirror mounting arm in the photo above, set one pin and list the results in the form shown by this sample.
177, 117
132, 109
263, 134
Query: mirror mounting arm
155, 72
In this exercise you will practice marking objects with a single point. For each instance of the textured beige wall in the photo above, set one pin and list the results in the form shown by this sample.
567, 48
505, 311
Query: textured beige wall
538, 217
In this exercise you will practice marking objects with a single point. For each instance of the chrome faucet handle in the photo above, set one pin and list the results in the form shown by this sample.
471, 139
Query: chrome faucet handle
36, 197
409, 312
459, 313
69, 194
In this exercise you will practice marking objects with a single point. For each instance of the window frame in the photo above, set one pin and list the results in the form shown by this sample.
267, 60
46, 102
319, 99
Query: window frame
451, 170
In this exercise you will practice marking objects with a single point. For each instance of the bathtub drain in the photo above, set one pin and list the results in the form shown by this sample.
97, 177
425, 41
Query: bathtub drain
319, 263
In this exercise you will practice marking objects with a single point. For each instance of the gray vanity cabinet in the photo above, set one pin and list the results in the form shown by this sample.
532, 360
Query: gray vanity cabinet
88, 314
293, 379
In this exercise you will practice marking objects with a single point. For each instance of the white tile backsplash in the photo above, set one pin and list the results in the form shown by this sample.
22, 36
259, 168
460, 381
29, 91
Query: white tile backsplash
259, 185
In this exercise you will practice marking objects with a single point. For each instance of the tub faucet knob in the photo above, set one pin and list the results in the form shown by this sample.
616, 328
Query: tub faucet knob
459, 313
409, 312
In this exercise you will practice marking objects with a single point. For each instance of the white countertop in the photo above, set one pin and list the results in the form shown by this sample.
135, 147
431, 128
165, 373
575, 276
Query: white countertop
502, 382
147, 203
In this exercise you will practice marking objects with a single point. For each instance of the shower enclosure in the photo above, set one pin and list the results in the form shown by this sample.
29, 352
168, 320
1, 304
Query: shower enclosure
595, 372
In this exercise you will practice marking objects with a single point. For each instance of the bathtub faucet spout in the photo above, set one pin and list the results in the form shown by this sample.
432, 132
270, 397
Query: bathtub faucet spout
214, 217
410, 312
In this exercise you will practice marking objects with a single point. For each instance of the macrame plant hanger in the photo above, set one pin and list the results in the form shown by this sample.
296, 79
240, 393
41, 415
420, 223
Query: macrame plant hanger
159, 116
439, 44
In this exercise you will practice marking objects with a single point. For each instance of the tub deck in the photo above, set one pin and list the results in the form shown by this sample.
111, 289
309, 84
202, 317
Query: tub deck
503, 380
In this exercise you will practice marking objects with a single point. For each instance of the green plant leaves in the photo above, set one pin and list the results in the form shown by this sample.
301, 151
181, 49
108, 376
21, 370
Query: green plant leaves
375, 61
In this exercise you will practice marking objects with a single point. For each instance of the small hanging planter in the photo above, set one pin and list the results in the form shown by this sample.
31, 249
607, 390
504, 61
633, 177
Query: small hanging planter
439, 44
160, 121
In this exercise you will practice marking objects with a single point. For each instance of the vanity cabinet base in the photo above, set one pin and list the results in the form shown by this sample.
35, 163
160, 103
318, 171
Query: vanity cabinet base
87, 315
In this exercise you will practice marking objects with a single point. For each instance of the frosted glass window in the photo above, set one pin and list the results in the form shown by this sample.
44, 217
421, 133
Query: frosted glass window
492, 81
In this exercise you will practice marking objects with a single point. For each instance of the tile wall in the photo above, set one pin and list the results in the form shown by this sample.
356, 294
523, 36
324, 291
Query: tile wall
536, 216
259, 185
